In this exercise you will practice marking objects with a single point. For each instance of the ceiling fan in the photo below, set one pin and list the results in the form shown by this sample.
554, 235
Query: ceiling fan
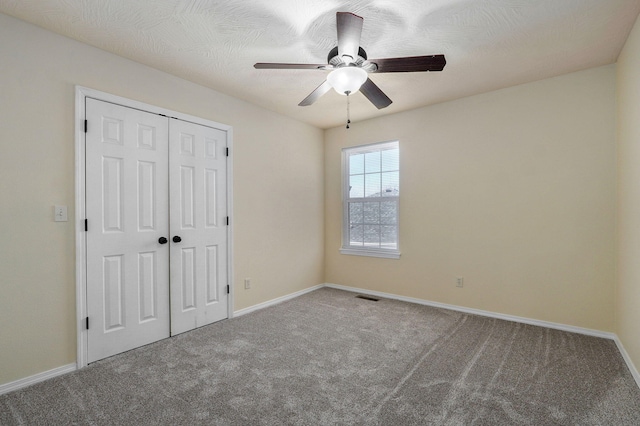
350, 67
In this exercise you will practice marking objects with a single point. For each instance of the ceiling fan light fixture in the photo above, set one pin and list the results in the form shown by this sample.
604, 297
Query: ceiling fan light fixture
347, 79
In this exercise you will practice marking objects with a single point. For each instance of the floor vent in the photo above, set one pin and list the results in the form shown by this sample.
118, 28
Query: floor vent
373, 299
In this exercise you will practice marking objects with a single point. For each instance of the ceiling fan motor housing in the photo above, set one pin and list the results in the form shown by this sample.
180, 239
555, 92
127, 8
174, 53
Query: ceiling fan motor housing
337, 61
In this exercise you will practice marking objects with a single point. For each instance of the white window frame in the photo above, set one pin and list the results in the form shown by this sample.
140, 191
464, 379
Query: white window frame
347, 248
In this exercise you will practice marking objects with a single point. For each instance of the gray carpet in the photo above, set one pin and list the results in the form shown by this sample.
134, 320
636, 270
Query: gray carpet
330, 358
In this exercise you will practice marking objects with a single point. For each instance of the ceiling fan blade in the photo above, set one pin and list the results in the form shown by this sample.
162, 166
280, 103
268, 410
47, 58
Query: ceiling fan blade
349, 31
316, 94
375, 95
277, 66
410, 64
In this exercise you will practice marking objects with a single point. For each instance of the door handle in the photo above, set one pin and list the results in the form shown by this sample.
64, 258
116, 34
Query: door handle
177, 239
162, 240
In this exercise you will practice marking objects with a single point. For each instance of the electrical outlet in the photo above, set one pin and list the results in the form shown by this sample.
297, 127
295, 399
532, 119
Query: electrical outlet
459, 282
247, 283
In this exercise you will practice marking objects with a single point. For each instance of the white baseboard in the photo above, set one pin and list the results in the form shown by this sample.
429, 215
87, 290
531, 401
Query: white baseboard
272, 302
27, 381
557, 326
627, 359
36, 378
513, 318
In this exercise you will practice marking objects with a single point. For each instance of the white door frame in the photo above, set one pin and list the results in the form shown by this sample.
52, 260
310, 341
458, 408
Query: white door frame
82, 93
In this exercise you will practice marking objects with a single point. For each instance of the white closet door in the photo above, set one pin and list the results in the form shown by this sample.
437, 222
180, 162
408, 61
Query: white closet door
197, 170
127, 210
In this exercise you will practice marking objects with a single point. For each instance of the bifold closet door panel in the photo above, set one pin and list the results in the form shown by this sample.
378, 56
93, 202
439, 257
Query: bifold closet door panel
198, 206
127, 207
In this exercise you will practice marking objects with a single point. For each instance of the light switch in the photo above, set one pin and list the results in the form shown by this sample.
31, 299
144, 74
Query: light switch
60, 213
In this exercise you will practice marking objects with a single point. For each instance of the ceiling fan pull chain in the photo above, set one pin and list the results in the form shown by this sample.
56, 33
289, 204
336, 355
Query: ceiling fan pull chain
348, 111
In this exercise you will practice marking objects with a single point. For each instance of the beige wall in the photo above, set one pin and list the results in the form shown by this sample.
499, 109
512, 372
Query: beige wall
628, 289
513, 190
278, 188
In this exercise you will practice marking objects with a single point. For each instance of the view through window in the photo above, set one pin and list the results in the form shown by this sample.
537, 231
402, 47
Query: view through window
371, 199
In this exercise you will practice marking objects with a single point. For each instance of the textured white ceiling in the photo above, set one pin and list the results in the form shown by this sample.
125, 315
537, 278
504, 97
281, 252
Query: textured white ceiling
489, 44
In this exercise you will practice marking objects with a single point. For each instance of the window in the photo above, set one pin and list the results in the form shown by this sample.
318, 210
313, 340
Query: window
371, 180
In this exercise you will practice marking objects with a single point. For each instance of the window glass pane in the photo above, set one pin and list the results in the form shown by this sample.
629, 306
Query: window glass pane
390, 184
356, 164
372, 213
390, 159
372, 185
355, 213
356, 186
356, 235
388, 237
388, 212
372, 235
372, 162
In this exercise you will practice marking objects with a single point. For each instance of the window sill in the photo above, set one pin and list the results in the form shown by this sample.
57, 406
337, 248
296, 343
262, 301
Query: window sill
387, 254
